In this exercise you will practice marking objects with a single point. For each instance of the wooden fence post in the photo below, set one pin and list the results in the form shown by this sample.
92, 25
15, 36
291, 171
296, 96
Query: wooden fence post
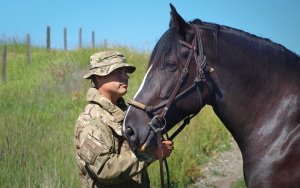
4, 64
79, 38
105, 43
65, 38
48, 38
28, 49
93, 39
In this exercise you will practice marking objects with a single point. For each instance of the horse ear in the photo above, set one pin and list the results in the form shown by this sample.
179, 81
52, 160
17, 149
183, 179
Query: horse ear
177, 21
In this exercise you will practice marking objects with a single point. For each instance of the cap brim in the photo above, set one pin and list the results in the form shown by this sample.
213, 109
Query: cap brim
88, 75
129, 67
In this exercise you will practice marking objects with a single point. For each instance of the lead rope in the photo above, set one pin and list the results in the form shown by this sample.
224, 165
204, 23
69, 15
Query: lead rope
159, 139
165, 160
160, 158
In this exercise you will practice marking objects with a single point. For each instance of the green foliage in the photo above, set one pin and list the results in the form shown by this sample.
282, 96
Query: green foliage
240, 183
39, 107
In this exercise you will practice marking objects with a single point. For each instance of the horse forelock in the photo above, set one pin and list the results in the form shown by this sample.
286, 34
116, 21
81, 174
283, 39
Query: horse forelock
168, 43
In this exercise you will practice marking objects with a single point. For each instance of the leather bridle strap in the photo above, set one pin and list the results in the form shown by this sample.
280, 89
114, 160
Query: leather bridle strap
160, 158
201, 60
151, 109
182, 76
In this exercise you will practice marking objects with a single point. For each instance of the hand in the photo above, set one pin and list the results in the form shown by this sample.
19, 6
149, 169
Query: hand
167, 149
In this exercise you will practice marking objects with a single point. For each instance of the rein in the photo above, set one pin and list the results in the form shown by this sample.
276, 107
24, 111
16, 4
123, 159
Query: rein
202, 66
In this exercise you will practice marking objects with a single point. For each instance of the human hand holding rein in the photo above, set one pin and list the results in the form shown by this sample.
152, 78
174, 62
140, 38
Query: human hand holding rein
167, 149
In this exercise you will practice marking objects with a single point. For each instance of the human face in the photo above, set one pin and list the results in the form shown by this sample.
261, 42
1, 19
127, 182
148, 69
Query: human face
114, 85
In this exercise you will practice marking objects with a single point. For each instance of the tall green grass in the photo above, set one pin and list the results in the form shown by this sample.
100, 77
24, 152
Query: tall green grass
39, 107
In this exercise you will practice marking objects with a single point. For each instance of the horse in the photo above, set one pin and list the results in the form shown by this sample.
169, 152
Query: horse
254, 90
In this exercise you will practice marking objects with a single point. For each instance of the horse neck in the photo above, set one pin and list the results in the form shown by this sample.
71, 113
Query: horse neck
254, 77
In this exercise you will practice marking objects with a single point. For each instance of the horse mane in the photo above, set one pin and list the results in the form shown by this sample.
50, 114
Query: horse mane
244, 34
164, 47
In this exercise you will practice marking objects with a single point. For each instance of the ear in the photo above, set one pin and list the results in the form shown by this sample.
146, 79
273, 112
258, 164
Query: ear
177, 21
99, 79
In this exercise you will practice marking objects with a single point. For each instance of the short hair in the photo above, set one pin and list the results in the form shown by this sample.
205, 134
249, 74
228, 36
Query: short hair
94, 81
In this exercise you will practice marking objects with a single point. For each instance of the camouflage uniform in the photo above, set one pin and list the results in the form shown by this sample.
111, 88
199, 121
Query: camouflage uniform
104, 158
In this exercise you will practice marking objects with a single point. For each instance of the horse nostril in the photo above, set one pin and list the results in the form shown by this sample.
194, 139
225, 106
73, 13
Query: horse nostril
130, 132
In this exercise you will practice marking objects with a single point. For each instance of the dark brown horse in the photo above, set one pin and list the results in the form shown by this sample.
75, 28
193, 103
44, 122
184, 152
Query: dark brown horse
254, 90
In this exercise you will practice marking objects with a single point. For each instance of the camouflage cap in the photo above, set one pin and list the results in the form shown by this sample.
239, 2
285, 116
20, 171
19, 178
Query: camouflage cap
103, 63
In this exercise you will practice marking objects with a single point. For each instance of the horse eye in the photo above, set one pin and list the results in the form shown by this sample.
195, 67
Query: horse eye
170, 65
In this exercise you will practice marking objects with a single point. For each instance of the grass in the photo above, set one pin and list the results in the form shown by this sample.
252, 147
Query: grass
216, 173
39, 107
240, 183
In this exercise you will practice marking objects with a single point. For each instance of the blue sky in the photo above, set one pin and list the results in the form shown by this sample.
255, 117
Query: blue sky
141, 23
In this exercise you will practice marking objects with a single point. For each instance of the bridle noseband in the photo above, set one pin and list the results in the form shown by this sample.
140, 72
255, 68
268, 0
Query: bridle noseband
202, 66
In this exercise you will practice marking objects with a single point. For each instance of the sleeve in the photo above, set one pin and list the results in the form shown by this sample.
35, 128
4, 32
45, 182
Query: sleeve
110, 168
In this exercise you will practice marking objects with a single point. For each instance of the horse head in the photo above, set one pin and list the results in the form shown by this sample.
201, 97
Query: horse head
164, 71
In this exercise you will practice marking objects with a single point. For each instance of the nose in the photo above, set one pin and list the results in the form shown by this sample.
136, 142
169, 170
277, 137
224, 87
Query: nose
131, 135
125, 76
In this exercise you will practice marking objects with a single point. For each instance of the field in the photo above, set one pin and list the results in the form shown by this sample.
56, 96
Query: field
39, 107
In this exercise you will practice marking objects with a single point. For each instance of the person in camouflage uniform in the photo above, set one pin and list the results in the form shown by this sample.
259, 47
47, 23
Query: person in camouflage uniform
104, 158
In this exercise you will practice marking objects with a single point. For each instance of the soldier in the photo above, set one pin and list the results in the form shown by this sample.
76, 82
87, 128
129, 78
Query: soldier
104, 158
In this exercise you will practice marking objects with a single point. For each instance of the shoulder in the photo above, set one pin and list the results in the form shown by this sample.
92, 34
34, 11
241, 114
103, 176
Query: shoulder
95, 128
89, 122
92, 110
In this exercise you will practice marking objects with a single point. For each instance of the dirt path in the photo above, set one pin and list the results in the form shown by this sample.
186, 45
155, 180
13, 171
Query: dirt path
222, 171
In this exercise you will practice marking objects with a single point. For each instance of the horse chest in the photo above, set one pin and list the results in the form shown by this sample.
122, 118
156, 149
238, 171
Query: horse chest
279, 166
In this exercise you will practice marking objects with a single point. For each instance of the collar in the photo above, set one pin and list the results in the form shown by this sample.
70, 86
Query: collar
93, 95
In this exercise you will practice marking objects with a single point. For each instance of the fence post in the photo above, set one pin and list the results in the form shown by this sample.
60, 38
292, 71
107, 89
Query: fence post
79, 38
4, 64
93, 39
48, 38
28, 49
105, 43
65, 38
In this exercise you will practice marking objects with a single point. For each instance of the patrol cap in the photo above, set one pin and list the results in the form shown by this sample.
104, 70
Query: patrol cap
103, 63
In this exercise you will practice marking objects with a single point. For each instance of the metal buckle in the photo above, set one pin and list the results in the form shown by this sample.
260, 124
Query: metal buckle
185, 71
153, 128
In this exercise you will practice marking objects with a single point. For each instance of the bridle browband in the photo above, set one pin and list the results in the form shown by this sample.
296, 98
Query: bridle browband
202, 66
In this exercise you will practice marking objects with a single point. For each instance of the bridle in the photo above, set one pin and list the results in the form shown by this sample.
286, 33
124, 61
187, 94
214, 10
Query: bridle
202, 66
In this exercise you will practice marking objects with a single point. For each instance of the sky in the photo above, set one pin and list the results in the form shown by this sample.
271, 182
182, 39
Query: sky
140, 24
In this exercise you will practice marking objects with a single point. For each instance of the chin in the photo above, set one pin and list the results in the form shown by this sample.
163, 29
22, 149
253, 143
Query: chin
123, 92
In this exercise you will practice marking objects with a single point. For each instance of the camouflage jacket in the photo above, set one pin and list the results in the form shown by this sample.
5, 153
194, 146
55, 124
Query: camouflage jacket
104, 158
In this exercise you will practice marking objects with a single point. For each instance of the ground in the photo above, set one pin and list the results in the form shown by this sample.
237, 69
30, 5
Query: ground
222, 171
